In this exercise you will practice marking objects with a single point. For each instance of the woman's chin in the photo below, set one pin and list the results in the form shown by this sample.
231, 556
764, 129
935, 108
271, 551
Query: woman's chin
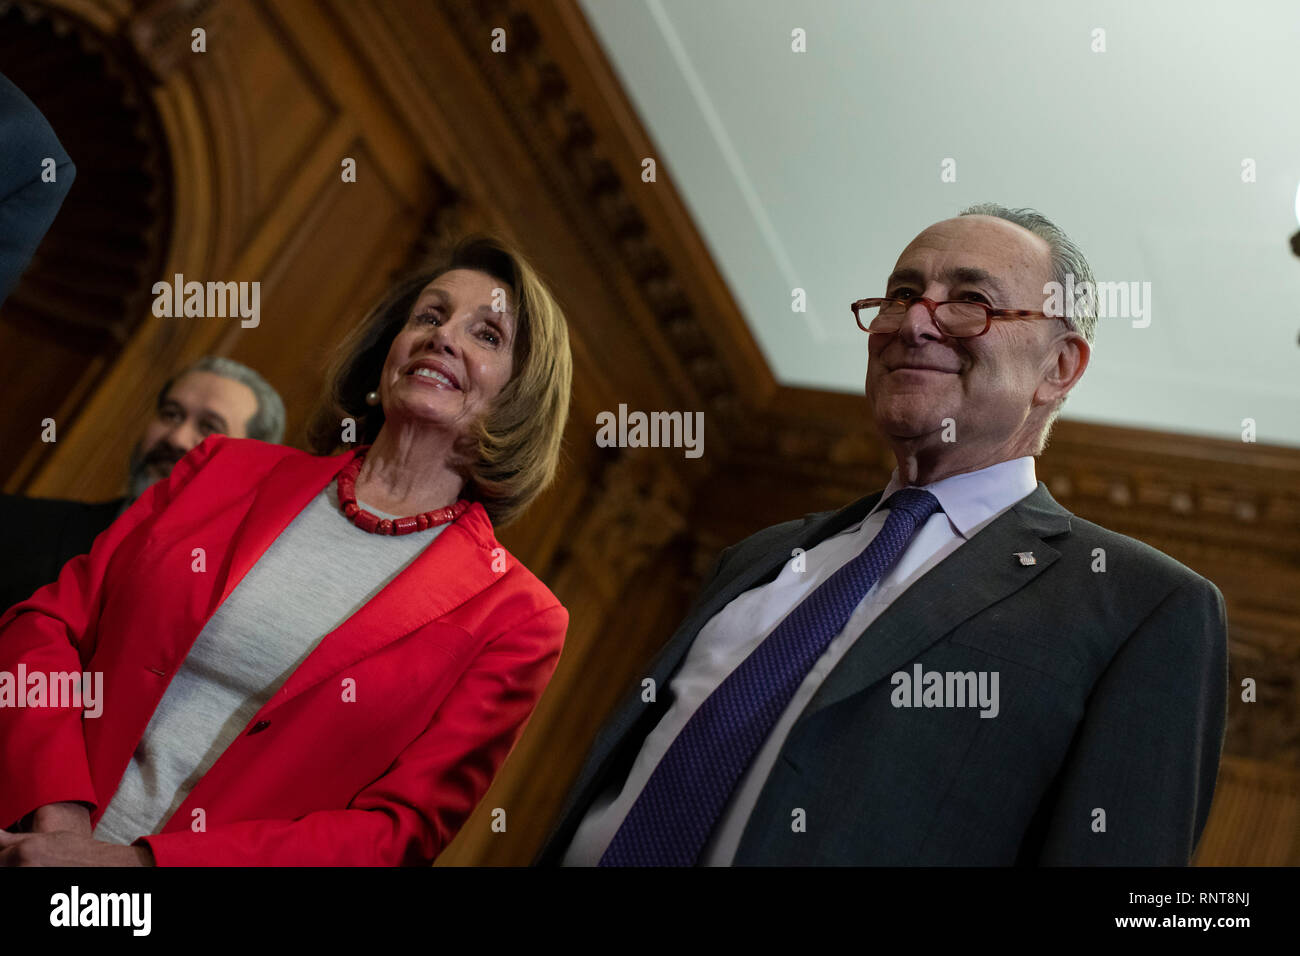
437, 416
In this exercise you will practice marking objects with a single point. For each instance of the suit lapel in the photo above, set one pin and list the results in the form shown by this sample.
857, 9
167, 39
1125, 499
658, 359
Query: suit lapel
981, 572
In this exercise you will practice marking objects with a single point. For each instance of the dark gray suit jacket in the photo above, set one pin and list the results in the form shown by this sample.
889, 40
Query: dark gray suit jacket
1112, 687
27, 203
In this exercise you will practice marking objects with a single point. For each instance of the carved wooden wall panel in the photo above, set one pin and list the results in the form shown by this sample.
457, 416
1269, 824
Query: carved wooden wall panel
286, 105
321, 282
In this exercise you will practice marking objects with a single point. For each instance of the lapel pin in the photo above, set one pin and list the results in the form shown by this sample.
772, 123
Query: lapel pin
1026, 557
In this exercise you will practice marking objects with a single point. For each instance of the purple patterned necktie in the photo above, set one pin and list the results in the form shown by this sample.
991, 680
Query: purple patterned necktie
671, 820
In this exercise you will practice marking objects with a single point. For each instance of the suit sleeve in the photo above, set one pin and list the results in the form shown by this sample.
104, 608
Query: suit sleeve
28, 204
42, 749
410, 814
1147, 752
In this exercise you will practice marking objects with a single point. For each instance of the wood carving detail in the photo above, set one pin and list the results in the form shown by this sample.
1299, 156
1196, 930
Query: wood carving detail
531, 87
635, 510
162, 30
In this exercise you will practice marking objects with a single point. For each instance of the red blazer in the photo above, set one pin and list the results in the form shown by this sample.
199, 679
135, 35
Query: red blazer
448, 661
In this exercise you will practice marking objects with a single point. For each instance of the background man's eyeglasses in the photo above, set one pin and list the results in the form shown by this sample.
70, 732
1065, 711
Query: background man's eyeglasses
961, 319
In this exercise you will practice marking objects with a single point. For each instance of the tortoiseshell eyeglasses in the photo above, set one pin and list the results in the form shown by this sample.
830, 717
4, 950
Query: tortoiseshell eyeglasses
962, 319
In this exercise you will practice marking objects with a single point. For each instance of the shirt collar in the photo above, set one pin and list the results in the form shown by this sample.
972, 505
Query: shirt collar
974, 497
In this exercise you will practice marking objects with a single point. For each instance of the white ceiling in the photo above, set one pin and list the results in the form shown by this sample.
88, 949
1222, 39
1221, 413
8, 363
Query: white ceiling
814, 170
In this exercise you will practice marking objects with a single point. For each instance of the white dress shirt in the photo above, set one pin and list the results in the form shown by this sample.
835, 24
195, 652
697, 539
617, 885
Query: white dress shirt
969, 502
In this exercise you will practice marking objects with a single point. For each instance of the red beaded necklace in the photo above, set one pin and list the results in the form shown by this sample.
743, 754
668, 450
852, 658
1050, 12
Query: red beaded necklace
368, 521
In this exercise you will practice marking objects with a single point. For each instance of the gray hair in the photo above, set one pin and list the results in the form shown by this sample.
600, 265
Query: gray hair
267, 423
1067, 259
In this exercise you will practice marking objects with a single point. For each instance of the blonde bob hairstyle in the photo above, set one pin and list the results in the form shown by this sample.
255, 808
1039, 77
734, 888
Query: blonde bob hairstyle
512, 452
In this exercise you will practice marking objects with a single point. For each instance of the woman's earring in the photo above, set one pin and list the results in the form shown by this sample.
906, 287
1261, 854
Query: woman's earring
372, 398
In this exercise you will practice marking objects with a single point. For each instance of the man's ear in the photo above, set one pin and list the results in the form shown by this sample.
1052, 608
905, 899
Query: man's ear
1066, 362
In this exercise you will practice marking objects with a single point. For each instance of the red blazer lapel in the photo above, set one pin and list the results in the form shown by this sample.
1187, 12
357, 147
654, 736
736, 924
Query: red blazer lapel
450, 571
278, 498
455, 567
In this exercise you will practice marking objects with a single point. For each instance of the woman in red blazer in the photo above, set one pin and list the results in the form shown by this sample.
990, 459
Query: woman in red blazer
452, 397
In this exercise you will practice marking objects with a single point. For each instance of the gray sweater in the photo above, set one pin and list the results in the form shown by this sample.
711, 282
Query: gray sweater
313, 577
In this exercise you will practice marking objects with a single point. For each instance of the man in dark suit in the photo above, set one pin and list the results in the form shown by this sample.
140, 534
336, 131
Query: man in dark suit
215, 394
954, 671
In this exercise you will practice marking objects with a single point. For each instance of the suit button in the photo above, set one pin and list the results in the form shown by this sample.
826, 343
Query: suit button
258, 727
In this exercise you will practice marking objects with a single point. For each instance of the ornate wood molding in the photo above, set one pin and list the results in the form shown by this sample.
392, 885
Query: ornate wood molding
534, 86
161, 31
636, 508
